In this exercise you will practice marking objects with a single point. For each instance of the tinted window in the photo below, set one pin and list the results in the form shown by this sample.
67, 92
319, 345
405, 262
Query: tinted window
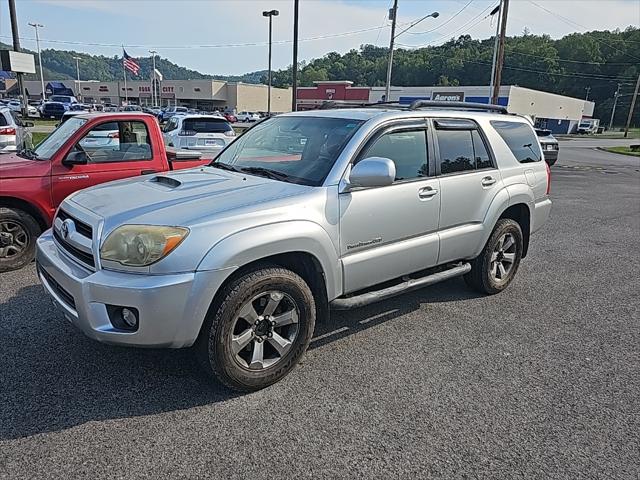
521, 140
456, 151
303, 148
483, 160
3, 121
407, 149
206, 125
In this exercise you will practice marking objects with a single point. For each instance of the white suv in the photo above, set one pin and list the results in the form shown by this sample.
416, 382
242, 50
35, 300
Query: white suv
205, 133
247, 117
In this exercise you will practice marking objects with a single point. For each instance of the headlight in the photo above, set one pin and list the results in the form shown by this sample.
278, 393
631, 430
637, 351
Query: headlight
141, 245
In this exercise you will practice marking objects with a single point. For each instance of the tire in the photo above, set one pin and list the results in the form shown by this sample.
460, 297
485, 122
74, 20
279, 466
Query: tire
485, 275
243, 301
18, 234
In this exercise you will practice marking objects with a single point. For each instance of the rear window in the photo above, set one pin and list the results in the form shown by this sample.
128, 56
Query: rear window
60, 98
521, 140
206, 125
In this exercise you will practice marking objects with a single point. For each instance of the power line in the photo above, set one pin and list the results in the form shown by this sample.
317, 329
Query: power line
575, 24
444, 23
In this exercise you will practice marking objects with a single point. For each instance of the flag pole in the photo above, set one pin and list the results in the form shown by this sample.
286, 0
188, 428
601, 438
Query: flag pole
124, 73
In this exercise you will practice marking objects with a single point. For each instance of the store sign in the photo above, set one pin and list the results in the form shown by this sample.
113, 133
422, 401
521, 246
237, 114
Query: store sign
103, 88
448, 96
144, 89
11, 61
167, 89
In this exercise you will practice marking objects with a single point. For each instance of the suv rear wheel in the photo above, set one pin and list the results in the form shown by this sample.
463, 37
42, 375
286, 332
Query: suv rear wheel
260, 329
492, 270
18, 234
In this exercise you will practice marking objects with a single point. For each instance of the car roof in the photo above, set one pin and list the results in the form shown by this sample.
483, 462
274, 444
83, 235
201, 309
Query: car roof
384, 113
91, 115
197, 115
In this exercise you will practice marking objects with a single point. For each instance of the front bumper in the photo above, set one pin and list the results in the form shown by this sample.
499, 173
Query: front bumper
171, 308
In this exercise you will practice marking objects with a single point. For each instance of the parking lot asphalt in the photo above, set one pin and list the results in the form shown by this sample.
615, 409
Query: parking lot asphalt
541, 381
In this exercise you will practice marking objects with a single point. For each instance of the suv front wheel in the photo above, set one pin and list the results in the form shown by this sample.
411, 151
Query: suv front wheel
258, 330
492, 270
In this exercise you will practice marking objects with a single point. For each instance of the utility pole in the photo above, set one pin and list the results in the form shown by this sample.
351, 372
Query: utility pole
497, 10
294, 67
16, 47
615, 103
78, 93
153, 81
393, 13
500, 61
633, 104
588, 89
37, 26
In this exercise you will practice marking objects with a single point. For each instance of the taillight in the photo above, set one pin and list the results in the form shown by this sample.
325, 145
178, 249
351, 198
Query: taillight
114, 135
186, 133
7, 131
548, 178
230, 133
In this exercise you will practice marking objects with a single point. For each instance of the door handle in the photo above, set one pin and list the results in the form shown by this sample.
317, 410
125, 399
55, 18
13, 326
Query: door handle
427, 192
147, 172
488, 181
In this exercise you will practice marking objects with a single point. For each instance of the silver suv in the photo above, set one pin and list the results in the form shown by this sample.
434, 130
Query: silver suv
304, 212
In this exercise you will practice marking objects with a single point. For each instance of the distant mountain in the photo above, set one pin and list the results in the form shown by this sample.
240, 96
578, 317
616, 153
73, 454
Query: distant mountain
60, 65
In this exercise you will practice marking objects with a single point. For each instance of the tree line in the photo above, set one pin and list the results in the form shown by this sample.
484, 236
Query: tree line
576, 65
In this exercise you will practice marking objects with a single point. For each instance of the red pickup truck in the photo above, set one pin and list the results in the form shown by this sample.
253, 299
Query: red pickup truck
83, 151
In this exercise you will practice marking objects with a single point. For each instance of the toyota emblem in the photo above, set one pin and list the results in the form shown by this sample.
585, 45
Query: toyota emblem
65, 228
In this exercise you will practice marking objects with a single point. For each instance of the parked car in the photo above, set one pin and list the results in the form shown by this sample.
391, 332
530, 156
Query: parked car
230, 117
171, 111
588, 126
131, 108
549, 144
66, 100
72, 157
53, 110
16, 106
248, 117
305, 212
208, 134
14, 135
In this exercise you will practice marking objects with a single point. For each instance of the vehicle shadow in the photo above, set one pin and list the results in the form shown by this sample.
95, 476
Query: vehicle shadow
53, 377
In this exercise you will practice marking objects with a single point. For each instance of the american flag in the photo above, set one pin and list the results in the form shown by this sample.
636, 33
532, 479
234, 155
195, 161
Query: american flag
130, 63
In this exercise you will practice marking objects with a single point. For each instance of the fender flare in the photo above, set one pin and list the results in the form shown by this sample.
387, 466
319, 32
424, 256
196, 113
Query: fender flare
247, 246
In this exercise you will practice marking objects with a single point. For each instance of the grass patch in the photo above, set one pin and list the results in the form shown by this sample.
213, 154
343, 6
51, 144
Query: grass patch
44, 122
623, 151
38, 137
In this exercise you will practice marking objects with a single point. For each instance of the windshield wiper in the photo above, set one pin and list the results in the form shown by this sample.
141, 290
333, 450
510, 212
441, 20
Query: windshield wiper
224, 166
265, 172
28, 153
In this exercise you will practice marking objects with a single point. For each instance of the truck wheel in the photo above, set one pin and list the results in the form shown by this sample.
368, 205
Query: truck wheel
258, 330
492, 270
18, 234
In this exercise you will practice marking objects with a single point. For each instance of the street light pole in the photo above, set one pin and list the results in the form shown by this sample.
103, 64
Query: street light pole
13, 17
294, 66
394, 13
615, 103
77, 59
270, 14
153, 81
37, 26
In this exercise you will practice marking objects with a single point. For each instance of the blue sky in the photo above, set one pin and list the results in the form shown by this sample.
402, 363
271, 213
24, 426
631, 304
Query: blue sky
198, 33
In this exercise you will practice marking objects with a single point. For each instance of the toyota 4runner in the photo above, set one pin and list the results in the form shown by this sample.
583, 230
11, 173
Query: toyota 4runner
305, 212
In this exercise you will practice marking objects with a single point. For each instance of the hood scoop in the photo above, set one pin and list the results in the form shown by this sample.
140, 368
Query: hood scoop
167, 181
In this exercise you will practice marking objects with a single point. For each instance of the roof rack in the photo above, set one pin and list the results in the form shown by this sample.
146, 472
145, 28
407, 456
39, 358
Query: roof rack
329, 104
416, 104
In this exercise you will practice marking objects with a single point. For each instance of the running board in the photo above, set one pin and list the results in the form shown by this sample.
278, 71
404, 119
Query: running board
406, 286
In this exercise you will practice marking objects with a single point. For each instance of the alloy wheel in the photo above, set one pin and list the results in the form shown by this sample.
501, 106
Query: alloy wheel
14, 239
503, 258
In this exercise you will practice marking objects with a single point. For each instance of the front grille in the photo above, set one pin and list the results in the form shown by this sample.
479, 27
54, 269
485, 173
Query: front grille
84, 257
65, 296
81, 227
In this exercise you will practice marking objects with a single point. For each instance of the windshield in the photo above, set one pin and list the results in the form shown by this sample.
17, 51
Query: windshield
60, 98
298, 149
53, 142
584, 124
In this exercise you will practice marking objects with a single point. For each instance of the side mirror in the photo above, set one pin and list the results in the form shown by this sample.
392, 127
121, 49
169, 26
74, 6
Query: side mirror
75, 157
372, 172
28, 124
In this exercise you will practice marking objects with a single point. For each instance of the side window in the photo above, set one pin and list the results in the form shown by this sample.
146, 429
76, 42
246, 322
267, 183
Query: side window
407, 149
116, 142
456, 151
482, 158
521, 140
3, 121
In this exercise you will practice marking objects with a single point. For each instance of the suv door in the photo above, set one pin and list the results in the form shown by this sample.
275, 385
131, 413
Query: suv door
469, 181
123, 152
387, 232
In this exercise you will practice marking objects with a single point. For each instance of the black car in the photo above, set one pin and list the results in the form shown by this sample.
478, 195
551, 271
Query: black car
53, 110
